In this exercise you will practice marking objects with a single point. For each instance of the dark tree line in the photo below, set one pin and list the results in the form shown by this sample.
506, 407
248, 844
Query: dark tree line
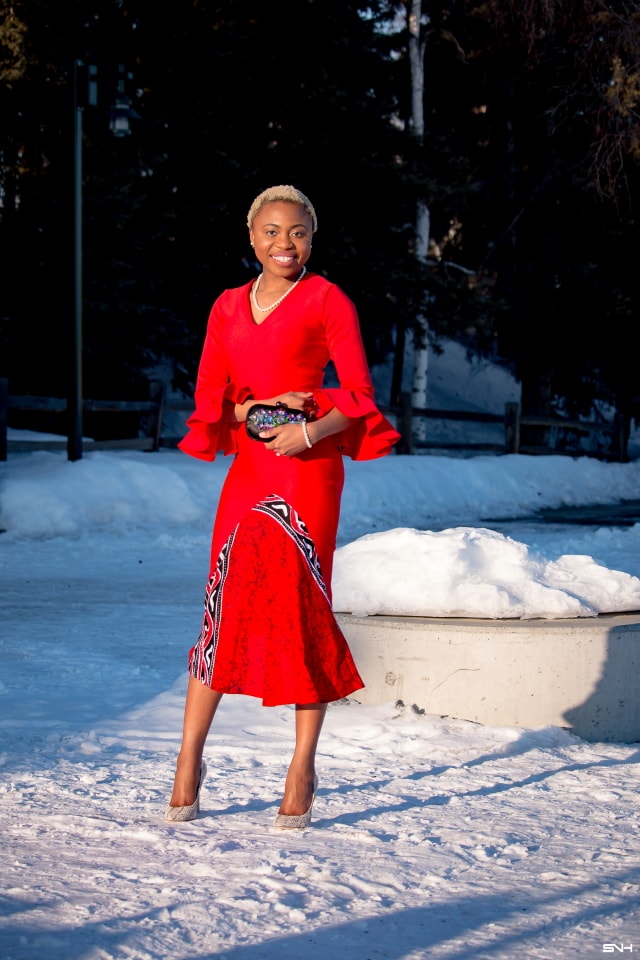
563, 88
529, 165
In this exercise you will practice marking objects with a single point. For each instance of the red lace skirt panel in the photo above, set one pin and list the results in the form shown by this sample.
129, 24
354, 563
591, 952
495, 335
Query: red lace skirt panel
268, 628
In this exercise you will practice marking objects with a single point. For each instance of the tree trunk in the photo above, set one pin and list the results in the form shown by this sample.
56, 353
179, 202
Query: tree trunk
417, 43
421, 335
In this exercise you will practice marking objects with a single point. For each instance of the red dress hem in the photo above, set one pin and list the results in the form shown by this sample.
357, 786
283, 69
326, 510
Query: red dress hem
268, 629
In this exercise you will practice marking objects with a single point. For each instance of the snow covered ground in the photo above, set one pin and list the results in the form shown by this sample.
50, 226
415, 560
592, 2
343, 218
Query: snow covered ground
432, 837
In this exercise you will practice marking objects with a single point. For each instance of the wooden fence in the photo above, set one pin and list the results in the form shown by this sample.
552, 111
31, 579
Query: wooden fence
555, 435
151, 414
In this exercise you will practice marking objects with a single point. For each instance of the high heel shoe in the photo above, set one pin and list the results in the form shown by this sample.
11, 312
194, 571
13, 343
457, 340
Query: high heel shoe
285, 822
190, 812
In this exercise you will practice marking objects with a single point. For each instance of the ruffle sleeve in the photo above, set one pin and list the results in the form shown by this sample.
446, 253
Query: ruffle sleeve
212, 427
371, 435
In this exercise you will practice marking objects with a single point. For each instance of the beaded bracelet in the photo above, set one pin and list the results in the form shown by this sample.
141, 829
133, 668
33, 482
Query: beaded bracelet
306, 434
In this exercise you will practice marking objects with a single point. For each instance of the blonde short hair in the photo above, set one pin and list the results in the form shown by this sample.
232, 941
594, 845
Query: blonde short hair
285, 193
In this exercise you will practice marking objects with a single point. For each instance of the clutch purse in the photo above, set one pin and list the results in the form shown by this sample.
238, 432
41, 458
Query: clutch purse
263, 416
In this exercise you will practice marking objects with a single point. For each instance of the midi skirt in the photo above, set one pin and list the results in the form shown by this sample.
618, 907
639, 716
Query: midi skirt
268, 628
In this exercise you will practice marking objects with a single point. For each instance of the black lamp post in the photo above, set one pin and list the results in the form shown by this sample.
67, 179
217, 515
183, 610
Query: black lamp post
85, 93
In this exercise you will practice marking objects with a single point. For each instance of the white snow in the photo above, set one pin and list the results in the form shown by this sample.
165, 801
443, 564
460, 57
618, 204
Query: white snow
432, 837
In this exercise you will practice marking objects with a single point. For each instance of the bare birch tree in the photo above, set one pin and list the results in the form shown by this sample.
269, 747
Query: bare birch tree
417, 23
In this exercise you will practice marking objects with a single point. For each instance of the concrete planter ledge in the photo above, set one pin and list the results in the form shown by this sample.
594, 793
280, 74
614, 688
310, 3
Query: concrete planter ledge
582, 674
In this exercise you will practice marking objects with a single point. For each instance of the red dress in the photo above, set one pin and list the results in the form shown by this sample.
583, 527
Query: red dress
268, 627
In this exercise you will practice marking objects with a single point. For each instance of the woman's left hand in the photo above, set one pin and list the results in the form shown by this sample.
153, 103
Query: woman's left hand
285, 441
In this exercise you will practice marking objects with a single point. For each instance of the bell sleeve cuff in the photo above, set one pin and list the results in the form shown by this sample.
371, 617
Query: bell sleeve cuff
370, 435
212, 425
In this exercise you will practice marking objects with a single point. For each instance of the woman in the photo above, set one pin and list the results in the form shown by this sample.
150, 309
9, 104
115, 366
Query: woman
268, 628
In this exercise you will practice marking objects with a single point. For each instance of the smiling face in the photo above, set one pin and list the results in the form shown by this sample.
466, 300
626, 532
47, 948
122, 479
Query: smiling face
281, 237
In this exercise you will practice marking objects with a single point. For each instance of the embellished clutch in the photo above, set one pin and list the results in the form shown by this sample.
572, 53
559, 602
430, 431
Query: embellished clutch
263, 416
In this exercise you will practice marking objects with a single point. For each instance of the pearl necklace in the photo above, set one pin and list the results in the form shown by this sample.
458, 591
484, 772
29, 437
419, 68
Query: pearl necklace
254, 293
